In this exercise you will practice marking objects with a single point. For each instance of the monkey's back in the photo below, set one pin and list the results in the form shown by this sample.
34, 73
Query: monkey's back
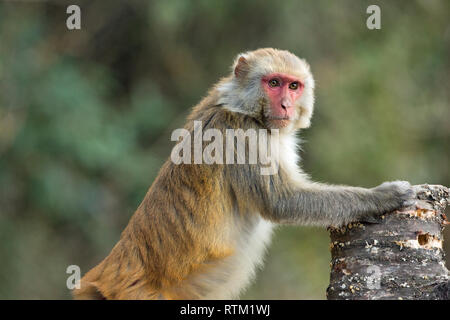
189, 237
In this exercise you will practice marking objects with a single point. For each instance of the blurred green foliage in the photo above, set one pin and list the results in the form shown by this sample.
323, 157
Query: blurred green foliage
86, 117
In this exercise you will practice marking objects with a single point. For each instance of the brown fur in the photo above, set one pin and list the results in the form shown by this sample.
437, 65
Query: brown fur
172, 234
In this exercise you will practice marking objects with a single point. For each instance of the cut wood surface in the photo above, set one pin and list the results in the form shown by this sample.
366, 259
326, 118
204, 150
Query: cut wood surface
401, 257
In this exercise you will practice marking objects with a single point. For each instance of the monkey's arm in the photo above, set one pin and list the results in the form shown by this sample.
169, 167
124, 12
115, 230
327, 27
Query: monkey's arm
318, 204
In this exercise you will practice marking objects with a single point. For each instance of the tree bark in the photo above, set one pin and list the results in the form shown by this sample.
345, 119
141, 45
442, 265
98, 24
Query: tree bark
401, 257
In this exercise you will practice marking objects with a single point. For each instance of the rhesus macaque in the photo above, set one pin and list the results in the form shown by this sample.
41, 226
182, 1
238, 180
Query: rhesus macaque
202, 229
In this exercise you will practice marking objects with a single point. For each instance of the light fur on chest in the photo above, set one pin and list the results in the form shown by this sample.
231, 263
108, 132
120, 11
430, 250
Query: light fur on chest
227, 278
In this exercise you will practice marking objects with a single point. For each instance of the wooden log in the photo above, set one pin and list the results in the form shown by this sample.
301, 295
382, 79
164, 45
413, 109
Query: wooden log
401, 257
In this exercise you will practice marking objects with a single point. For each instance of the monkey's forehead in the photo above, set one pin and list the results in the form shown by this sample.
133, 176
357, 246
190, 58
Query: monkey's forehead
294, 67
269, 60
268, 70
282, 76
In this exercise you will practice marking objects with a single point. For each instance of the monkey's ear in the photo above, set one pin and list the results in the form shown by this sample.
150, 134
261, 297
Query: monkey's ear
241, 68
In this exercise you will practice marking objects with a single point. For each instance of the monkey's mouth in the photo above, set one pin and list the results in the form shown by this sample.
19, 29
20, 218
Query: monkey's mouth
280, 118
279, 122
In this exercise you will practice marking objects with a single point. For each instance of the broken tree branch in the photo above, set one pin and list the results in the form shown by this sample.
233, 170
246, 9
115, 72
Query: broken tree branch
401, 257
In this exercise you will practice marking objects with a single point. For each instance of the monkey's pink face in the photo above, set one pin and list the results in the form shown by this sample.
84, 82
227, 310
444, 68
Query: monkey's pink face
283, 92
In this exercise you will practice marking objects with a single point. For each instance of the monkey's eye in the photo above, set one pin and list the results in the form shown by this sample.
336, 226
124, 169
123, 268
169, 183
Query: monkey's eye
293, 85
274, 83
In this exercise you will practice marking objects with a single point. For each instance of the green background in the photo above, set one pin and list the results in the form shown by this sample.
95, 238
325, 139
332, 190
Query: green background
86, 117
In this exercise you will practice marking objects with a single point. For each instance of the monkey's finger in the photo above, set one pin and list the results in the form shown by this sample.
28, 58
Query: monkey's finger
409, 203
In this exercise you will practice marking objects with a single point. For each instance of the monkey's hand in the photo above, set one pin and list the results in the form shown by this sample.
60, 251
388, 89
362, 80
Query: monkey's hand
392, 195
397, 194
